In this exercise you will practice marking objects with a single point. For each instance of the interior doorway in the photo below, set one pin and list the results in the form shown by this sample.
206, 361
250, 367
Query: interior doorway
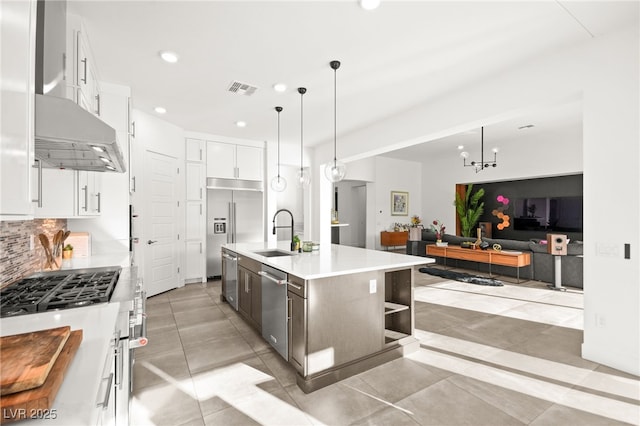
351, 205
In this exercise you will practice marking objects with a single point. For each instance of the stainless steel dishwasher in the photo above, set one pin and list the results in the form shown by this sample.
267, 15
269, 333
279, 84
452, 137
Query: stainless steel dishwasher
230, 277
274, 309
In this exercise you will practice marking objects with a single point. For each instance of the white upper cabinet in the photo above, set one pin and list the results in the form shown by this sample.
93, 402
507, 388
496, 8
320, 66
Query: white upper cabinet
195, 150
17, 65
58, 194
249, 162
89, 193
221, 160
230, 161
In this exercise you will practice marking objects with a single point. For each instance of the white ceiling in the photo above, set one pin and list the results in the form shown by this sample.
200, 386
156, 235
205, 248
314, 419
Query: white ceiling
401, 55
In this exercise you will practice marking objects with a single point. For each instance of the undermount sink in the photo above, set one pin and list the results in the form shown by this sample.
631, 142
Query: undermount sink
274, 253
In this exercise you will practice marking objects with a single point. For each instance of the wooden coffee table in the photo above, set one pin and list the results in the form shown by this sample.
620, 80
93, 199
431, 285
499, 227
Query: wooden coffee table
515, 259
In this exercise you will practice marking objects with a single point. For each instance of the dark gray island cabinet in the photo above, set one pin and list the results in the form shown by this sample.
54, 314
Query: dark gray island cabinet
331, 314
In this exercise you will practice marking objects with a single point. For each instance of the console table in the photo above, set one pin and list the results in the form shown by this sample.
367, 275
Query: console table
392, 239
514, 259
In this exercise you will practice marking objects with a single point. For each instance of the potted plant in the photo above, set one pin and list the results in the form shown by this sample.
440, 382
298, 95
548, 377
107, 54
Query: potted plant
469, 209
67, 251
439, 228
415, 229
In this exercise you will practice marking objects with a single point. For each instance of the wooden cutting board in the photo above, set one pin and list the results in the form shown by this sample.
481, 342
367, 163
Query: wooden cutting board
37, 402
27, 358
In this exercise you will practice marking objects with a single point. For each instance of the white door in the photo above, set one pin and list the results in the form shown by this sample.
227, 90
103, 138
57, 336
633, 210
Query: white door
161, 223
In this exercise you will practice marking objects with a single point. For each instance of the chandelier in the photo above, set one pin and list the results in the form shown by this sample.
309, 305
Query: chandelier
482, 164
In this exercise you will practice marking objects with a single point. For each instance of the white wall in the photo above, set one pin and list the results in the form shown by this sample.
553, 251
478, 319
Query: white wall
604, 71
396, 175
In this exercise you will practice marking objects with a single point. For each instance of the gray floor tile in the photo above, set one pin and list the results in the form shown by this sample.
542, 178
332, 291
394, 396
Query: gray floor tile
193, 333
561, 415
446, 404
198, 316
172, 364
523, 407
218, 353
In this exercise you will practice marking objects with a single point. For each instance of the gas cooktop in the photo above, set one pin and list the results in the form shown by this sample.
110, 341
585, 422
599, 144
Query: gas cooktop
58, 290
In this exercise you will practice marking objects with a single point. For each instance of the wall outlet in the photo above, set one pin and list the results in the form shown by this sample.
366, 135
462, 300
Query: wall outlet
608, 250
373, 285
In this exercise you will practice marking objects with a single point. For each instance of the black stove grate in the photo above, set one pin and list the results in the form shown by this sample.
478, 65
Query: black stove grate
58, 290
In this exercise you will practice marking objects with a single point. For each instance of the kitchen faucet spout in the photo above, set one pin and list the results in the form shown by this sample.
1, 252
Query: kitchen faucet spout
293, 244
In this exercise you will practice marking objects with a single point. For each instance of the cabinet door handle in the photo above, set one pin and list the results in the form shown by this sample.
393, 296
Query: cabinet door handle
151, 242
86, 197
133, 179
105, 402
297, 287
84, 78
98, 105
289, 308
64, 65
39, 199
200, 209
133, 129
201, 248
99, 198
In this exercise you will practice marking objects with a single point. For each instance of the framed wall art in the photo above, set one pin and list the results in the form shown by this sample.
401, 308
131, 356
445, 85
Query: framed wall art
399, 203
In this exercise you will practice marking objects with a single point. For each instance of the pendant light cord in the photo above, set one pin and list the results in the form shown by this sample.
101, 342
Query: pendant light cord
278, 109
301, 124
335, 117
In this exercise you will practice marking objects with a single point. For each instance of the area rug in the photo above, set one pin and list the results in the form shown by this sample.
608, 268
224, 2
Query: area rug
461, 276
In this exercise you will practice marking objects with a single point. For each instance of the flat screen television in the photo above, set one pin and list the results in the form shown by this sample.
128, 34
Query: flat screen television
553, 214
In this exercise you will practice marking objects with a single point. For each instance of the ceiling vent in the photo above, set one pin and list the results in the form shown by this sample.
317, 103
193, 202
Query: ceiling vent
242, 88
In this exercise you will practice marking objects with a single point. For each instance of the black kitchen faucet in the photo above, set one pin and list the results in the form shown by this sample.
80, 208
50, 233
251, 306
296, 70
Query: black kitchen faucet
293, 244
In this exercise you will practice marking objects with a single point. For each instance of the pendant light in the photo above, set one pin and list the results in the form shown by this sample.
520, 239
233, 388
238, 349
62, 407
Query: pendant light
482, 164
335, 170
278, 183
303, 175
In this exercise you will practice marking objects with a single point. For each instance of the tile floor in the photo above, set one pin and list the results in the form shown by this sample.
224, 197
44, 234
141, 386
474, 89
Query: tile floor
489, 356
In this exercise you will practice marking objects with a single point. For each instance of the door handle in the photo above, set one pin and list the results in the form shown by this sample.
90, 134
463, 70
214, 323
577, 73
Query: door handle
151, 242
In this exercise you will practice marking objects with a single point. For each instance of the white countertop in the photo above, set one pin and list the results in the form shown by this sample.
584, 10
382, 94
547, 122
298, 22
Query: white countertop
97, 261
330, 260
76, 399
75, 402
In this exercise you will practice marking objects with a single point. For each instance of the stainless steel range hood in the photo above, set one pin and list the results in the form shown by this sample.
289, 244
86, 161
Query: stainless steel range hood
66, 136
69, 137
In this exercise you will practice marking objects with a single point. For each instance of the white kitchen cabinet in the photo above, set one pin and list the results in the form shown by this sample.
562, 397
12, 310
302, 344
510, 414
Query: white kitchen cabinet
194, 262
58, 194
86, 75
88, 193
195, 213
195, 182
195, 150
17, 65
249, 162
231, 161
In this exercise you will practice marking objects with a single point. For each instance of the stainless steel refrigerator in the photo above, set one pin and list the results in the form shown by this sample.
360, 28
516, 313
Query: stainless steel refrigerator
233, 216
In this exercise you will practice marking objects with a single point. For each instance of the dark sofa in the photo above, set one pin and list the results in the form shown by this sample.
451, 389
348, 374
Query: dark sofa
542, 263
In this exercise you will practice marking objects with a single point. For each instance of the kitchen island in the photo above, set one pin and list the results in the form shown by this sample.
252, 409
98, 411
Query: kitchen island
330, 313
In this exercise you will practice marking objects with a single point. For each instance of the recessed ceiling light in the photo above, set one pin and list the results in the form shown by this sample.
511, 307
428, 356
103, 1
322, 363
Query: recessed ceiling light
460, 147
168, 56
241, 123
280, 87
160, 110
369, 4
